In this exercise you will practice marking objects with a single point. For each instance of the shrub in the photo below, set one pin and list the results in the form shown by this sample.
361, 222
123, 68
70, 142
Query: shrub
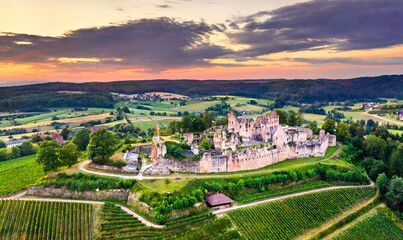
119, 163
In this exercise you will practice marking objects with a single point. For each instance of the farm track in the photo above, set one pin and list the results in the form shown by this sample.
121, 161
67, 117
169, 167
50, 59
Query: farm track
83, 168
385, 119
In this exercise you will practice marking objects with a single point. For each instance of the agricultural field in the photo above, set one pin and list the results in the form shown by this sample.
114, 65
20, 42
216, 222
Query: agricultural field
19, 174
117, 224
376, 226
45, 220
290, 217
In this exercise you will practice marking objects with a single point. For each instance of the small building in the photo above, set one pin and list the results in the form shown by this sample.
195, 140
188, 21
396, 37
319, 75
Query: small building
15, 143
58, 137
218, 201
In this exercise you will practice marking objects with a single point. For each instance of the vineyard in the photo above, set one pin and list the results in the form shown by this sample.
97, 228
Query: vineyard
287, 218
117, 224
376, 226
18, 174
45, 220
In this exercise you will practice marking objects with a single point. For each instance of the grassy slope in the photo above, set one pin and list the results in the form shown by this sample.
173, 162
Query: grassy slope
18, 174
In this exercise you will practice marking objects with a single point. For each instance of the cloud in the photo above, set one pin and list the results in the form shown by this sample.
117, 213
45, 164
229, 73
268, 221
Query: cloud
340, 25
163, 6
350, 61
156, 44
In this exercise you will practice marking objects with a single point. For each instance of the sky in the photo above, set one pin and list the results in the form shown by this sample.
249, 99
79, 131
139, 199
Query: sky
110, 40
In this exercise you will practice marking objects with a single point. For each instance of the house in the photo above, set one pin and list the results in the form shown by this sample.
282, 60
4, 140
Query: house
58, 137
15, 143
400, 115
218, 201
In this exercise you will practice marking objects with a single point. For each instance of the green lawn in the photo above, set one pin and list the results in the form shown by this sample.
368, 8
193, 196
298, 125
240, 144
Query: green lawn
18, 174
400, 132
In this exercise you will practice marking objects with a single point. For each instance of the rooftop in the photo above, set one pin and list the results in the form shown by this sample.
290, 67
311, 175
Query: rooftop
218, 199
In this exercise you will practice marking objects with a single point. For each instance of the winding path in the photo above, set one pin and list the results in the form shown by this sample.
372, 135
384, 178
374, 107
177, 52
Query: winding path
287, 196
20, 196
148, 223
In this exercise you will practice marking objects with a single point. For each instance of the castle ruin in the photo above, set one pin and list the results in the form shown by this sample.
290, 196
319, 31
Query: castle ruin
245, 144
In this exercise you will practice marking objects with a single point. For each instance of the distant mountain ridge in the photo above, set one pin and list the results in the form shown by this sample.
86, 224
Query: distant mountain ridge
363, 88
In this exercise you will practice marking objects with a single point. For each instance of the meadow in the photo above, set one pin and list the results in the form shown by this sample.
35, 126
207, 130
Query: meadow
290, 217
45, 220
19, 174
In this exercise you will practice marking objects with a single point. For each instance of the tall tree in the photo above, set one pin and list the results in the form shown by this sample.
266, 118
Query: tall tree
394, 196
282, 116
82, 139
102, 146
329, 126
374, 146
48, 155
342, 132
2, 144
65, 133
69, 154
27, 149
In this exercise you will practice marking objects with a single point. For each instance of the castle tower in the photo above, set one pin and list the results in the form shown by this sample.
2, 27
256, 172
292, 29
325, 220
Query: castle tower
231, 121
158, 150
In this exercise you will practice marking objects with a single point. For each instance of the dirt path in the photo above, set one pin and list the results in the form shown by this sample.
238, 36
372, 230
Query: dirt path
287, 196
354, 222
196, 175
148, 223
385, 119
20, 196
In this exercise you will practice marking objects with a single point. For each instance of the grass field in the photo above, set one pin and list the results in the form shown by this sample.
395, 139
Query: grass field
18, 174
45, 220
119, 225
376, 226
290, 217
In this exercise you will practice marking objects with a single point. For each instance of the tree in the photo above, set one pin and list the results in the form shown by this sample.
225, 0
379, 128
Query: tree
382, 182
102, 146
282, 117
3, 154
329, 126
205, 144
342, 132
15, 152
394, 196
2, 144
126, 109
82, 139
295, 119
27, 149
48, 155
65, 133
314, 127
69, 154
293, 176
396, 161
374, 146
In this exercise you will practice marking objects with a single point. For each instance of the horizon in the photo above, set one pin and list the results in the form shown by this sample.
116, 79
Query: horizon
103, 41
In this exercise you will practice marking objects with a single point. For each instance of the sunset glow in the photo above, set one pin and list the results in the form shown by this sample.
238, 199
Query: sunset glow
128, 40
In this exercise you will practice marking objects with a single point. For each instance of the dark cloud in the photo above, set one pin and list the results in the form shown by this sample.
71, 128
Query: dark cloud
163, 6
150, 43
341, 25
350, 61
